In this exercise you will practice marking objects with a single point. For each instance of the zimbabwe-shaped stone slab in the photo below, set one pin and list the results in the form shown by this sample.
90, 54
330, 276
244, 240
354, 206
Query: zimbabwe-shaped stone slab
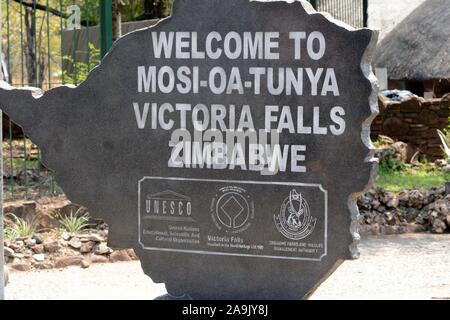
261, 218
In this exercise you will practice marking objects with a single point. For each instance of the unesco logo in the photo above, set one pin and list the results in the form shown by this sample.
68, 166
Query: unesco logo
168, 205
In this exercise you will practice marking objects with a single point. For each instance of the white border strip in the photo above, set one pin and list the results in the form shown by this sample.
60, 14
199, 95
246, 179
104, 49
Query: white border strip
238, 182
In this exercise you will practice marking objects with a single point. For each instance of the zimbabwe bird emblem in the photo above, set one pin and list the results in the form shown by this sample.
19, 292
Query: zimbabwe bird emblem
294, 220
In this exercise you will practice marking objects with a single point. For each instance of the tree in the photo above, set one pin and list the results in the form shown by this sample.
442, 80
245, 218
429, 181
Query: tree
35, 57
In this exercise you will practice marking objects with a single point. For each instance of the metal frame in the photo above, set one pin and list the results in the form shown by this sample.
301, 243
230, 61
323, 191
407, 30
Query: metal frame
105, 26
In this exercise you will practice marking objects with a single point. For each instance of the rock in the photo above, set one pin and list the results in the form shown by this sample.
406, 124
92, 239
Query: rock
403, 198
420, 220
39, 257
16, 246
435, 215
385, 139
46, 265
102, 249
66, 236
87, 247
429, 117
376, 204
47, 221
119, 255
411, 214
402, 230
434, 194
415, 228
375, 229
21, 266
438, 226
104, 232
132, 254
401, 151
65, 208
18, 255
98, 259
38, 239
389, 230
91, 237
392, 203
29, 243
364, 202
440, 163
8, 260
407, 211
365, 230
22, 209
85, 264
416, 199
9, 252
410, 105
75, 243
39, 248
389, 216
64, 262
51, 246
394, 126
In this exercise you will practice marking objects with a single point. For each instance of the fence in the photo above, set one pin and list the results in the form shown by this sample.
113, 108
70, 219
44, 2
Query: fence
48, 43
33, 55
353, 12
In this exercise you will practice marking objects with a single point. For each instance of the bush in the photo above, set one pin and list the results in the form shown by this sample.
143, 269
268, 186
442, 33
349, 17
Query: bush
81, 69
74, 223
21, 228
389, 164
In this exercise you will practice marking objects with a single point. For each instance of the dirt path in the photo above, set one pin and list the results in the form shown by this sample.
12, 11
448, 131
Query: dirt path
393, 267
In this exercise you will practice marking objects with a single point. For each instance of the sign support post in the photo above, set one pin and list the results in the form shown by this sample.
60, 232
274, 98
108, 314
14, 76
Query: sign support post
2, 252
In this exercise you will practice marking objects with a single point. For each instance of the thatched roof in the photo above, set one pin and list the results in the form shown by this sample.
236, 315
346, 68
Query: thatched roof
419, 47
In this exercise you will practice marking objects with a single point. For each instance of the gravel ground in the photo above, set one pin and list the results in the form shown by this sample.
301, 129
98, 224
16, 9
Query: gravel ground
390, 267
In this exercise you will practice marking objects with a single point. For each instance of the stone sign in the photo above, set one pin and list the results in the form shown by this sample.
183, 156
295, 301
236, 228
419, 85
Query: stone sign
226, 145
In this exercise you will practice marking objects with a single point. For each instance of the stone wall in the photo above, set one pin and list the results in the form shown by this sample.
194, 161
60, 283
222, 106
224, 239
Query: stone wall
414, 121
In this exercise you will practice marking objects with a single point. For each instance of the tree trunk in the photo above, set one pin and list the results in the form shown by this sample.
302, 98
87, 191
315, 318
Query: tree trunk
35, 67
30, 53
117, 18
